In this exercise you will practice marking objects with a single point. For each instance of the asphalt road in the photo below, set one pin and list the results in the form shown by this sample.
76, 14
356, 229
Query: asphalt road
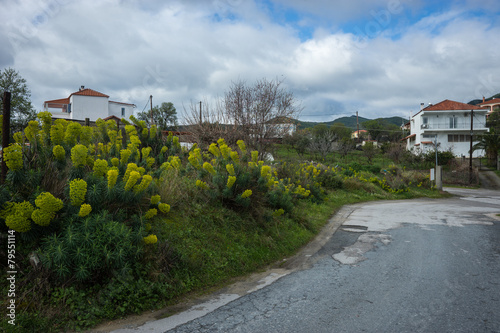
392, 266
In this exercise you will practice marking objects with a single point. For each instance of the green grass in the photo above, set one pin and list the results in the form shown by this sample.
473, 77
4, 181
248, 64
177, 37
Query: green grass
207, 246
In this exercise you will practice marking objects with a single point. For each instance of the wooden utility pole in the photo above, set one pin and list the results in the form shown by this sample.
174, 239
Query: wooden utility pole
357, 125
200, 114
151, 107
470, 150
6, 130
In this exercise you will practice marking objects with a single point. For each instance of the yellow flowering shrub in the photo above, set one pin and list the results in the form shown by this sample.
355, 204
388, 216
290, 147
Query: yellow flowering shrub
132, 180
79, 154
151, 213
164, 208
230, 169
130, 167
115, 162
46, 201
146, 180
246, 194
18, 220
72, 133
13, 155
264, 172
31, 131
152, 131
42, 217
201, 184
145, 152
19, 138
85, 210
112, 178
209, 167
125, 155
255, 156
214, 150
241, 145
278, 212
155, 199
150, 161
77, 191
59, 153
235, 157
100, 168
151, 239
230, 181
164, 149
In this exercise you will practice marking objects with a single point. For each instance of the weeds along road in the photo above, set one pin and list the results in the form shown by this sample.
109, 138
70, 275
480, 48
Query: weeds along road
400, 266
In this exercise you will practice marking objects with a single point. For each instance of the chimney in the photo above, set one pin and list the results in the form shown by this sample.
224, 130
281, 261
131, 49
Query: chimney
82, 87
483, 99
421, 106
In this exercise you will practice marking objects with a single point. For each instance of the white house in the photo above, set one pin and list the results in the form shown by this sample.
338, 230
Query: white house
449, 123
87, 103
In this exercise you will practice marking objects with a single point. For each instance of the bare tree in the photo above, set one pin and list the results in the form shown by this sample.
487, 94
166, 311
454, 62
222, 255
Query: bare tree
258, 114
207, 123
262, 113
323, 142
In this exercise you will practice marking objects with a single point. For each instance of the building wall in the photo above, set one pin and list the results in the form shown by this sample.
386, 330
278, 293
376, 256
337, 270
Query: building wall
88, 107
115, 109
438, 123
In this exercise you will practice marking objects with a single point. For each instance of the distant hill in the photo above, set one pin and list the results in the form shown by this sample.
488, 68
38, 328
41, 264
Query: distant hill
351, 122
479, 101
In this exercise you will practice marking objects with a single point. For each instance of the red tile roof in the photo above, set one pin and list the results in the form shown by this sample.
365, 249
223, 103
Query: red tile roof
89, 92
451, 105
492, 101
57, 101
81, 92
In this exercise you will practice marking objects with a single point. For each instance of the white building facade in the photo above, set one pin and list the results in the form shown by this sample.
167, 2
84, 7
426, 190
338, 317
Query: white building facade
88, 103
449, 124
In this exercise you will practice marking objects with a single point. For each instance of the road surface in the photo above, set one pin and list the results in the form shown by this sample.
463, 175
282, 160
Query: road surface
422, 265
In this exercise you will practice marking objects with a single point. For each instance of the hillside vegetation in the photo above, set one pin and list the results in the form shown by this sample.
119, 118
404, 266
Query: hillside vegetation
106, 223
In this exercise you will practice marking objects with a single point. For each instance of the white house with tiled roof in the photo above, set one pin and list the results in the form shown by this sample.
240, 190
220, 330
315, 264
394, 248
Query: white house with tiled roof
449, 123
492, 104
87, 103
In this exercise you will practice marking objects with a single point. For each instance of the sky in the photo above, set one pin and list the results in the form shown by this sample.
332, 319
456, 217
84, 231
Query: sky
381, 58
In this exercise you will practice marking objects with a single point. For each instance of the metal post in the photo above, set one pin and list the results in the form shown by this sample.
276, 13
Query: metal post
151, 106
470, 150
6, 130
436, 146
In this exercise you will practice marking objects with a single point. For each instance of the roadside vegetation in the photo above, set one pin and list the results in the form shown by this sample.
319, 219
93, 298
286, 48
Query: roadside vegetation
108, 224
118, 219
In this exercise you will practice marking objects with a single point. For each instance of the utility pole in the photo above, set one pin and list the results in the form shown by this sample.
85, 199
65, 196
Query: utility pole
151, 106
5, 130
470, 149
357, 125
200, 114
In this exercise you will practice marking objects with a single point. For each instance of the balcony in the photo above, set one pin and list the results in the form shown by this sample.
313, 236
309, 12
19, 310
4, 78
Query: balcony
477, 126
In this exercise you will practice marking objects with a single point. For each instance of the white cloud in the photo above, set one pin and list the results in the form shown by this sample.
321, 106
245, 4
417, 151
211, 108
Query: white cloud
191, 51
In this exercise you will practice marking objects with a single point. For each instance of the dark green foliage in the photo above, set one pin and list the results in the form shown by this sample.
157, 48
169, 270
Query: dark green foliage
91, 249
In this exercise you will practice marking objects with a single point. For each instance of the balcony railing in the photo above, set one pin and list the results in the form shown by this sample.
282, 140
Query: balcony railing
464, 126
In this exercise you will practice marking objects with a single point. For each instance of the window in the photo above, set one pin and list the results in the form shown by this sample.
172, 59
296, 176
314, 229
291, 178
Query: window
459, 138
123, 112
453, 122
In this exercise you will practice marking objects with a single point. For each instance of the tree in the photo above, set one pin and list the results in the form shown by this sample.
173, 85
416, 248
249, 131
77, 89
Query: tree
164, 116
381, 130
369, 150
323, 140
262, 112
490, 142
342, 131
21, 109
345, 146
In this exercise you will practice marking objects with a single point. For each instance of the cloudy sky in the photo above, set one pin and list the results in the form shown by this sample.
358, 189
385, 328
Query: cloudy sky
379, 57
